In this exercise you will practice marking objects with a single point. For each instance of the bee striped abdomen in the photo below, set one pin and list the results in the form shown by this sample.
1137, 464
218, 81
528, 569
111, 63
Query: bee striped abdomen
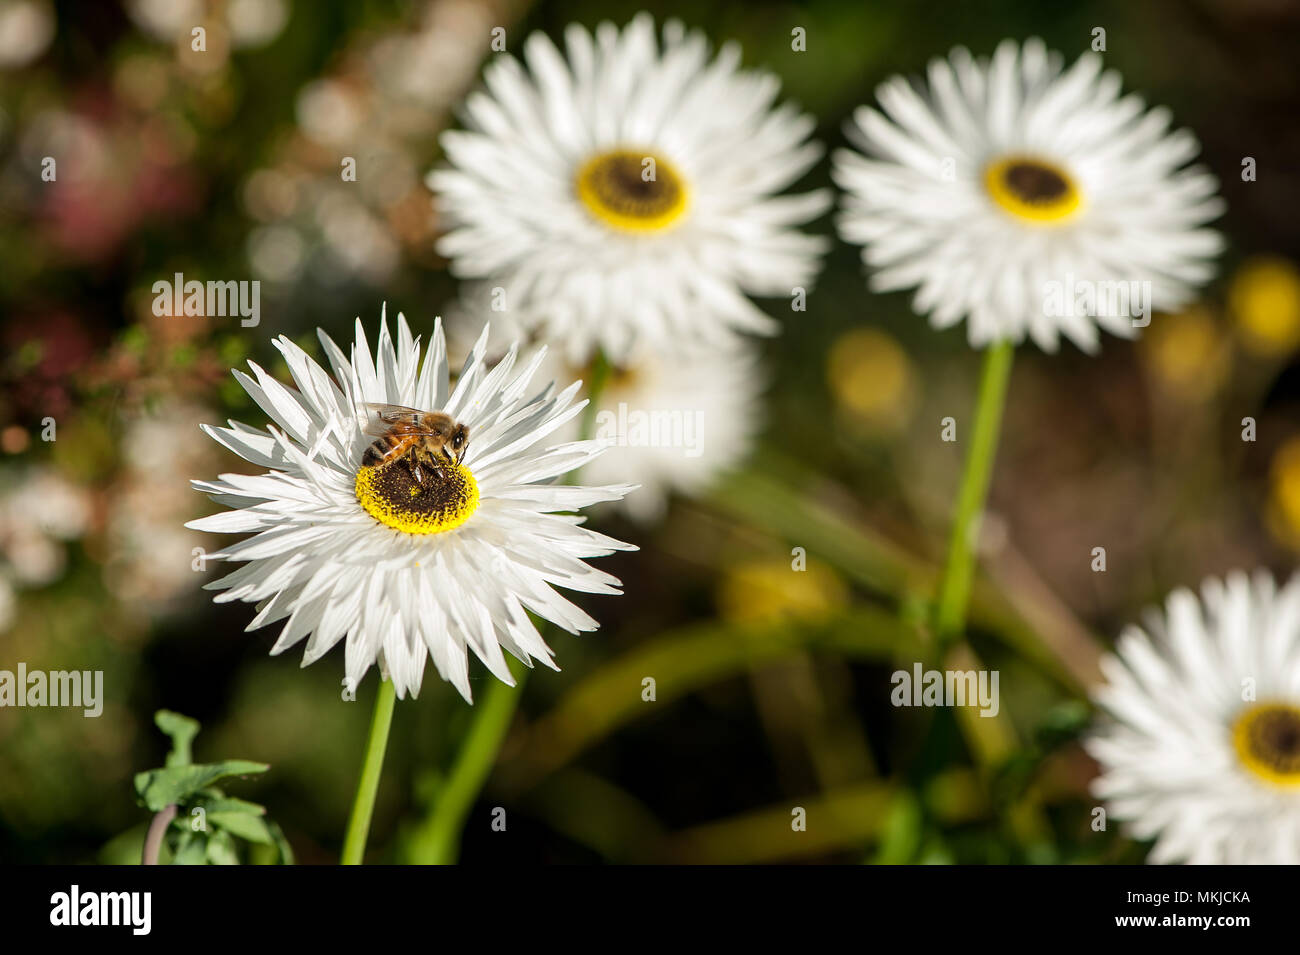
387, 447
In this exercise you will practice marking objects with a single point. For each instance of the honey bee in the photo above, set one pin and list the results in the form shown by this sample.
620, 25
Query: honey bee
425, 440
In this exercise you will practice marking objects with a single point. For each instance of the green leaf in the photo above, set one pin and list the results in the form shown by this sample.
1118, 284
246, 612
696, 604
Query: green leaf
221, 849
768, 498
277, 853
125, 848
252, 828
191, 849
159, 788
228, 804
182, 730
281, 843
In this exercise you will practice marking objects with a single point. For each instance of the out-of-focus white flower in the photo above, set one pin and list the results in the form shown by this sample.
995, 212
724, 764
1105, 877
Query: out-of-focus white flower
1026, 199
627, 194
1201, 751
673, 423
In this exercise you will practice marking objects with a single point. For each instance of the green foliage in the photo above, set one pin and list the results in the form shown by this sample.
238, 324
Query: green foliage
209, 826
182, 731
160, 788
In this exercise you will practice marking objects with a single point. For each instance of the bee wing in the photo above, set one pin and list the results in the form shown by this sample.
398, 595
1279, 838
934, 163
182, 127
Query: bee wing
393, 414
382, 418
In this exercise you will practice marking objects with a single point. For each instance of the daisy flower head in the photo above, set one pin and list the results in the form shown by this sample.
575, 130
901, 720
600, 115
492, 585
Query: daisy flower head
1201, 748
631, 188
676, 425
1027, 199
672, 423
413, 556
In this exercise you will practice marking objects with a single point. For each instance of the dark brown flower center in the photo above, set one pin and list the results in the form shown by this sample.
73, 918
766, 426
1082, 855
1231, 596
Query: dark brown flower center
631, 190
1035, 183
1267, 738
391, 494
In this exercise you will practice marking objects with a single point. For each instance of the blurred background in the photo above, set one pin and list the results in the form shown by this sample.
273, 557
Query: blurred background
773, 686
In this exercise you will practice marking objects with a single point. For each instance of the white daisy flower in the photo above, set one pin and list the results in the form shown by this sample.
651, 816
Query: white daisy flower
1202, 751
1013, 195
673, 424
400, 562
631, 190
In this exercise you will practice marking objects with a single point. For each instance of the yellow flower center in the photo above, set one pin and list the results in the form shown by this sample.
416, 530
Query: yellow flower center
1032, 190
391, 495
632, 190
1267, 739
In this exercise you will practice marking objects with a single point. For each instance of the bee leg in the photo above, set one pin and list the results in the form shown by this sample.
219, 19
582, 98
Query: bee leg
430, 465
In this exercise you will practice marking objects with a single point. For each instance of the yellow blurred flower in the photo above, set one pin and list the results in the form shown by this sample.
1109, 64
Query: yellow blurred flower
765, 591
1185, 353
871, 378
1284, 494
1265, 301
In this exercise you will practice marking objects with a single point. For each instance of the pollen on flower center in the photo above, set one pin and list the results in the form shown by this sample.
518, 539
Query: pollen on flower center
391, 495
1267, 740
1032, 189
632, 190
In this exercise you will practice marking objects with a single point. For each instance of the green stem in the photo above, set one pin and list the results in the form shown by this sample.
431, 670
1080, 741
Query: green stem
598, 376
437, 840
954, 586
354, 843
601, 370
153, 840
